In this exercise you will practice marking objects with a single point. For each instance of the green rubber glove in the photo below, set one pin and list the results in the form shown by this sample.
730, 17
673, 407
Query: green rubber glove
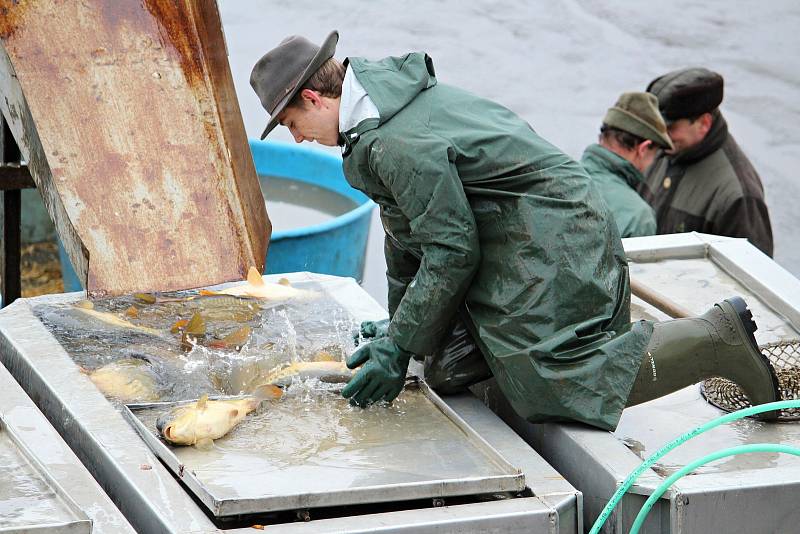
371, 329
382, 374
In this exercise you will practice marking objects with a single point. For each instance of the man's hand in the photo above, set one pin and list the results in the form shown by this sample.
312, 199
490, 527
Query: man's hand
372, 329
382, 374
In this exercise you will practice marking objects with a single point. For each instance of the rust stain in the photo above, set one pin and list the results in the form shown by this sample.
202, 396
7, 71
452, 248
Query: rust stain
139, 138
12, 16
177, 30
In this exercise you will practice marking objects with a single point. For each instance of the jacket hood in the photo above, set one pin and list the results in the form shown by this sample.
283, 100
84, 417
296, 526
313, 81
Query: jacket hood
393, 82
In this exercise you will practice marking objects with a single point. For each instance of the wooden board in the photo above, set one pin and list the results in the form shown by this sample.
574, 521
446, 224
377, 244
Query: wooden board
126, 113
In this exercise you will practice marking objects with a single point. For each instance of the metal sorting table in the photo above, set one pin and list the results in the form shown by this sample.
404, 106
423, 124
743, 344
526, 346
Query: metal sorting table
155, 501
417, 448
746, 493
44, 487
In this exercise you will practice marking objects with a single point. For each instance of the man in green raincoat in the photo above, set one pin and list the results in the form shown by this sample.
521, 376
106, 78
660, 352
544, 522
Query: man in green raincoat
494, 238
630, 136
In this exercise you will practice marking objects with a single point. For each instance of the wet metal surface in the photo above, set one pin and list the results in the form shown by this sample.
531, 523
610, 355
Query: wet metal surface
645, 428
44, 488
311, 448
154, 501
43, 483
132, 128
744, 493
698, 283
27, 499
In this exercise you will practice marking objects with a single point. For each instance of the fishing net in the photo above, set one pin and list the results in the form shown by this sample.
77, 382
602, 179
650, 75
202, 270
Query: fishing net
785, 359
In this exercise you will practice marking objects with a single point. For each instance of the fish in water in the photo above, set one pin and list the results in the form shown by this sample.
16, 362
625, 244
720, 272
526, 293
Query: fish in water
214, 306
243, 375
202, 422
233, 341
324, 371
256, 287
225, 307
129, 380
111, 319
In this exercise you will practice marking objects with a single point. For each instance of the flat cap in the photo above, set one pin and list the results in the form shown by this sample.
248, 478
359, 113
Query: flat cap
637, 114
687, 93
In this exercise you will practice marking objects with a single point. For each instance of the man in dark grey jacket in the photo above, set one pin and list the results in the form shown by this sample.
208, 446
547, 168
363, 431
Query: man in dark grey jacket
706, 184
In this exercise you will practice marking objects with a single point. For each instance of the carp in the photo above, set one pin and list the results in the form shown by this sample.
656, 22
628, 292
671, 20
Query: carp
324, 371
244, 376
87, 308
233, 341
202, 422
128, 380
218, 307
256, 287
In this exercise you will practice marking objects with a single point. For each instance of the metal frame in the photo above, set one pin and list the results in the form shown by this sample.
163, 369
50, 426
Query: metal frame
79, 523
154, 501
14, 177
750, 496
512, 481
756, 271
41, 444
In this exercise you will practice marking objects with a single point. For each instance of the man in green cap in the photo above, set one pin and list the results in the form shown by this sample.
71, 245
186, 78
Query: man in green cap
630, 136
495, 240
706, 183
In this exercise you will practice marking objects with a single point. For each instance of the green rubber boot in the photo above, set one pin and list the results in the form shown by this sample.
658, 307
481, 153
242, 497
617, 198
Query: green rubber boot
718, 343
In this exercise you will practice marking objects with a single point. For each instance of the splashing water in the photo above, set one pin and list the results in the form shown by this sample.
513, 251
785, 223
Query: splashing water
153, 328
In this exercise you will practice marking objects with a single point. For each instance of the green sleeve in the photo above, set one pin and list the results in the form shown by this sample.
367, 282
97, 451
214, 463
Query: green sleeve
401, 267
424, 182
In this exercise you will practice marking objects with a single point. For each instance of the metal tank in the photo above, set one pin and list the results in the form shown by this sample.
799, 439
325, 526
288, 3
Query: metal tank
45, 488
157, 493
746, 493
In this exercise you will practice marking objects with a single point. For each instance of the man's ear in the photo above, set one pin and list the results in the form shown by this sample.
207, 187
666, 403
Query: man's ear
643, 147
311, 97
706, 119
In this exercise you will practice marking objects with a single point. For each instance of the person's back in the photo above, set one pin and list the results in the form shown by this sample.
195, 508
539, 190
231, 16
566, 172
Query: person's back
550, 254
617, 180
706, 184
630, 135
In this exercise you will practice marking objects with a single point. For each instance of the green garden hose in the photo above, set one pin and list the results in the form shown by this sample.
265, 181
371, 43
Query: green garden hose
742, 449
612, 503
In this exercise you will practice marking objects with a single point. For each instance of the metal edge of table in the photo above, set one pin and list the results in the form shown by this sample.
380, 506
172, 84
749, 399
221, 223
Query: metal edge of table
511, 480
92, 427
39, 439
78, 523
776, 286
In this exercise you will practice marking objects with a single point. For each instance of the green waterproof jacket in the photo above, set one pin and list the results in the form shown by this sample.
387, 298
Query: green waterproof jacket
483, 215
617, 180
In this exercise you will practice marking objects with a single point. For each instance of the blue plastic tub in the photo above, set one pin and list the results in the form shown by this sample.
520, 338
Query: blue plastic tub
335, 247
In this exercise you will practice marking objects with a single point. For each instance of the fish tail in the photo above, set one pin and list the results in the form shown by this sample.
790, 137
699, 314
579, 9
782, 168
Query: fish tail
267, 392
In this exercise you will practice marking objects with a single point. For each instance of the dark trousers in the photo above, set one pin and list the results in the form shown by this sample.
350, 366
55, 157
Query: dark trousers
458, 364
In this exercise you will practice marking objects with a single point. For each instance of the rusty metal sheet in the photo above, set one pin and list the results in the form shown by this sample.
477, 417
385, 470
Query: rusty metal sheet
128, 118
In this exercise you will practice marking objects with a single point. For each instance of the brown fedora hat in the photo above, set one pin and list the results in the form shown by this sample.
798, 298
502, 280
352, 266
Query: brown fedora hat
281, 72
